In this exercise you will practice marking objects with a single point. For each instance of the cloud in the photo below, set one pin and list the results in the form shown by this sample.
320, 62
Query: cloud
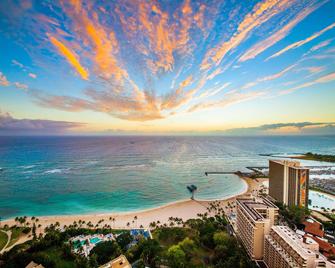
323, 79
16, 63
123, 107
13, 126
321, 45
260, 14
3, 80
302, 42
279, 35
229, 99
269, 77
71, 57
32, 75
301, 128
20, 85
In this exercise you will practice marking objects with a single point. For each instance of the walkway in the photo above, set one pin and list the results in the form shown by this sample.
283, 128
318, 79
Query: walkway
9, 235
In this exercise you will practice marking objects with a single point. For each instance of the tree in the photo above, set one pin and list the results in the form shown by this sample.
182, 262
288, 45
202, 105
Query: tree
176, 257
105, 251
124, 239
150, 252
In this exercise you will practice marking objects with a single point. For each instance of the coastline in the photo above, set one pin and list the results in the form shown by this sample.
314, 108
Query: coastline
185, 209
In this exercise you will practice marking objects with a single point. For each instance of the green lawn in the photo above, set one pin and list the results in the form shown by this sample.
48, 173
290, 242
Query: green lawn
3, 240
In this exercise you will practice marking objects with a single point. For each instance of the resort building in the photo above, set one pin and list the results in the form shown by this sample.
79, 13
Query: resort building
284, 248
119, 262
288, 182
254, 219
34, 265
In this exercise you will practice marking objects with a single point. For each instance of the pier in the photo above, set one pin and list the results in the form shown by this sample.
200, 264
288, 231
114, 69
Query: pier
222, 172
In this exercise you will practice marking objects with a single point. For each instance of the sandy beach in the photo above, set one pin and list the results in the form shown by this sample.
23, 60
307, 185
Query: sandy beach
185, 209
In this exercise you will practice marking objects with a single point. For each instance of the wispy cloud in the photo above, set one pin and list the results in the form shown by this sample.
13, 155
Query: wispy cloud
229, 99
70, 56
269, 77
280, 34
321, 45
261, 13
323, 79
302, 42
17, 63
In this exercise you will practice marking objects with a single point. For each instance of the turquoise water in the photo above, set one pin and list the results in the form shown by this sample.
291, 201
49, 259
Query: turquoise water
78, 175
95, 240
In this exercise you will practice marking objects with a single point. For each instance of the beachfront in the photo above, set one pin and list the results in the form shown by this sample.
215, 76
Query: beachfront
186, 209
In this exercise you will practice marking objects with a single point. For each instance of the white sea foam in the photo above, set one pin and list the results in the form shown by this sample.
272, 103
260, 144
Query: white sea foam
28, 167
53, 171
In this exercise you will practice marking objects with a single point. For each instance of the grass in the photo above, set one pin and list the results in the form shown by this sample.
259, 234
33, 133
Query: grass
3, 240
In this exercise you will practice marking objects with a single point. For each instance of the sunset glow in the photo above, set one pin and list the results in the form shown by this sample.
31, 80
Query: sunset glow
106, 67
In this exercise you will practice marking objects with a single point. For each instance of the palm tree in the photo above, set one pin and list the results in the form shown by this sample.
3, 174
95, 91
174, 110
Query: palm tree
135, 218
128, 224
113, 219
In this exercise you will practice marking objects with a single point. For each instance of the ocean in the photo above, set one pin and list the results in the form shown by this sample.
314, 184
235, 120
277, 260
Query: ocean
81, 175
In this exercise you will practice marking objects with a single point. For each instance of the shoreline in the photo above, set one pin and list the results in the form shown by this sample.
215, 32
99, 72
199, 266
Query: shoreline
185, 209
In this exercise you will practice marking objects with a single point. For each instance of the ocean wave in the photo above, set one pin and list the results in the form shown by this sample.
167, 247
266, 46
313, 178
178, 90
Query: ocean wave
139, 166
53, 171
28, 167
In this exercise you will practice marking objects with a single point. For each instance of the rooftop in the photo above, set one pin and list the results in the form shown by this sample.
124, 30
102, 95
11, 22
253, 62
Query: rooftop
314, 228
252, 206
289, 163
119, 262
294, 240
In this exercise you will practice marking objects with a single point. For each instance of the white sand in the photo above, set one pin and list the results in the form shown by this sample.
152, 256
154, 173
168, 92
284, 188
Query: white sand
186, 209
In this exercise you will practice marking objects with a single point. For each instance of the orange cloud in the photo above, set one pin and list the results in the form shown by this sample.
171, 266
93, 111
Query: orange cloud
3, 80
302, 42
279, 35
71, 57
104, 45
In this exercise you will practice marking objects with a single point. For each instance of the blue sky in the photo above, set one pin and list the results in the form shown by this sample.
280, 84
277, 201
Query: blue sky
167, 66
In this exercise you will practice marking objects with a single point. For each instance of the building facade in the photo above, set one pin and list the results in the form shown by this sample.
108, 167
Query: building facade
284, 248
255, 216
288, 182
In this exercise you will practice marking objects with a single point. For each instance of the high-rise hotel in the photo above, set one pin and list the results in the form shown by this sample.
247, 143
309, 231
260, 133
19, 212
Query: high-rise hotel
288, 182
255, 216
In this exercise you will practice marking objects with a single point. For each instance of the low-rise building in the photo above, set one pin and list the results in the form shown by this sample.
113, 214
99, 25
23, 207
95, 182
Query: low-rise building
313, 228
34, 265
284, 248
255, 216
119, 262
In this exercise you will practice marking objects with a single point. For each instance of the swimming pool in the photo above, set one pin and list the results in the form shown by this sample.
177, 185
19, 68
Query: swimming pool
95, 240
321, 200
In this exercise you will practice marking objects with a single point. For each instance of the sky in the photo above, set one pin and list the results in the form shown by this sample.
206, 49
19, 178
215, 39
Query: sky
156, 67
